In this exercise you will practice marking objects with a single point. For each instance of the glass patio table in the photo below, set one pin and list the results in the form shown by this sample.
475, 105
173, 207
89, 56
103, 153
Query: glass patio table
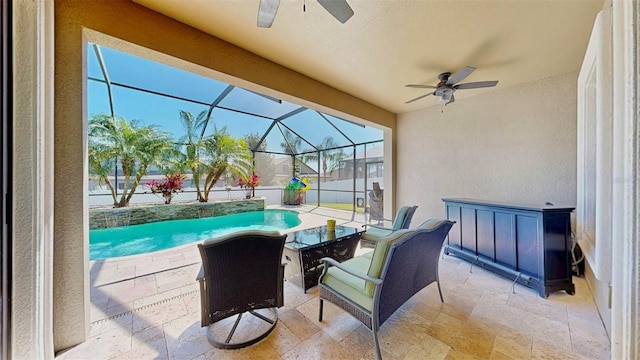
304, 249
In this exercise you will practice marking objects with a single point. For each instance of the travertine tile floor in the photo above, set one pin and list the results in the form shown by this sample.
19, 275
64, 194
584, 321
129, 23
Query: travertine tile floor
148, 307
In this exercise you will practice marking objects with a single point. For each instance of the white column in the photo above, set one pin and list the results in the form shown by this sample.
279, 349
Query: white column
32, 180
625, 321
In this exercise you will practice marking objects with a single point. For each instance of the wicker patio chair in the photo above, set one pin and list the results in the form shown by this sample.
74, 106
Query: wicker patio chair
371, 287
241, 278
402, 220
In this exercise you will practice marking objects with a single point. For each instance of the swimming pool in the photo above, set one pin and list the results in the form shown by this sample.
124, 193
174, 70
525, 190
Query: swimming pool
144, 238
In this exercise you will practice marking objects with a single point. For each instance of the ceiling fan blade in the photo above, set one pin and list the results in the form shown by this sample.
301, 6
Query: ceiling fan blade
419, 97
460, 75
267, 12
340, 9
475, 85
418, 86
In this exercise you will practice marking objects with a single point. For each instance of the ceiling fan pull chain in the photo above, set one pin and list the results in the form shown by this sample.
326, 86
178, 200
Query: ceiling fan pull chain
304, 5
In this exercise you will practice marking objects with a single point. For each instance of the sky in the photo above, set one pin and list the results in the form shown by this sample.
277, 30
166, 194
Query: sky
162, 111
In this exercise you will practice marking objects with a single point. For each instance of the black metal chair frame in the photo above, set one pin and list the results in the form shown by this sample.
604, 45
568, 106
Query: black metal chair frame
241, 273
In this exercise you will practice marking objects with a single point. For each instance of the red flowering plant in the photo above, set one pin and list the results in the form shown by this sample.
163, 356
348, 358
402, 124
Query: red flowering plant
167, 187
248, 183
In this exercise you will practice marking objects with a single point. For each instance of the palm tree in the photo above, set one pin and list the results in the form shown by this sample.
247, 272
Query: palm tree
192, 141
329, 155
263, 161
291, 143
101, 165
135, 147
220, 154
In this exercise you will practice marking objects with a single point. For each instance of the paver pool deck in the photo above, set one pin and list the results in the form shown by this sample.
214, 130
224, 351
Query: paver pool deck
148, 307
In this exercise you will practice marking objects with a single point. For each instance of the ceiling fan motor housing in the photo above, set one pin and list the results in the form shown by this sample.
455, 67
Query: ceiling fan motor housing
444, 91
444, 76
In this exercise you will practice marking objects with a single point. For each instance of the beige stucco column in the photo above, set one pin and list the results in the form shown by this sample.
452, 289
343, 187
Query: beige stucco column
625, 273
32, 181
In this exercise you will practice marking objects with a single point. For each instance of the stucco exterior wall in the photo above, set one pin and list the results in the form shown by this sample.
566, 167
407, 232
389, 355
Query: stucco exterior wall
516, 145
130, 27
26, 209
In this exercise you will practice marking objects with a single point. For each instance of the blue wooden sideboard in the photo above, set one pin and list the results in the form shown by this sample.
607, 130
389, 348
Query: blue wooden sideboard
529, 244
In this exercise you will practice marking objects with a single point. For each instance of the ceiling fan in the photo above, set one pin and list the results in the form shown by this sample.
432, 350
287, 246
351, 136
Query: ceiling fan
447, 86
268, 9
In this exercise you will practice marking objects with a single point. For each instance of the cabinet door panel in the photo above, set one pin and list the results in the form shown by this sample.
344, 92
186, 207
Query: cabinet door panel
468, 229
484, 219
453, 213
505, 239
527, 238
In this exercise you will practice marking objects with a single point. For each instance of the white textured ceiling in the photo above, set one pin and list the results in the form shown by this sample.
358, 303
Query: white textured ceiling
388, 44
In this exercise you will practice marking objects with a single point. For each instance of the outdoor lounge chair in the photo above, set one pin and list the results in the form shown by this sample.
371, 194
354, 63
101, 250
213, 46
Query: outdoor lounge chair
401, 221
241, 276
371, 287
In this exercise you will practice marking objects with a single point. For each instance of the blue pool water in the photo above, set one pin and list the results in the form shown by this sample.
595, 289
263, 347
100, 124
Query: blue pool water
144, 238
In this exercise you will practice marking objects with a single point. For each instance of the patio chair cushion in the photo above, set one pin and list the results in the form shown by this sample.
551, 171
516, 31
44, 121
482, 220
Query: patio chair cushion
383, 244
380, 254
402, 221
399, 220
348, 285
371, 263
375, 233
410, 264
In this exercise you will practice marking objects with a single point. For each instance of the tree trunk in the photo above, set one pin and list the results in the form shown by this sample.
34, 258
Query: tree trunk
205, 195
122, 202
196, 182
130, 190
123, 198
324, 169
139, 176
212, 178
111, 188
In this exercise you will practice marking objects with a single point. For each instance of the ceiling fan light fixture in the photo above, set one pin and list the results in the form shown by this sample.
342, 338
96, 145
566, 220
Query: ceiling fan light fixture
449, 84
445, 97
